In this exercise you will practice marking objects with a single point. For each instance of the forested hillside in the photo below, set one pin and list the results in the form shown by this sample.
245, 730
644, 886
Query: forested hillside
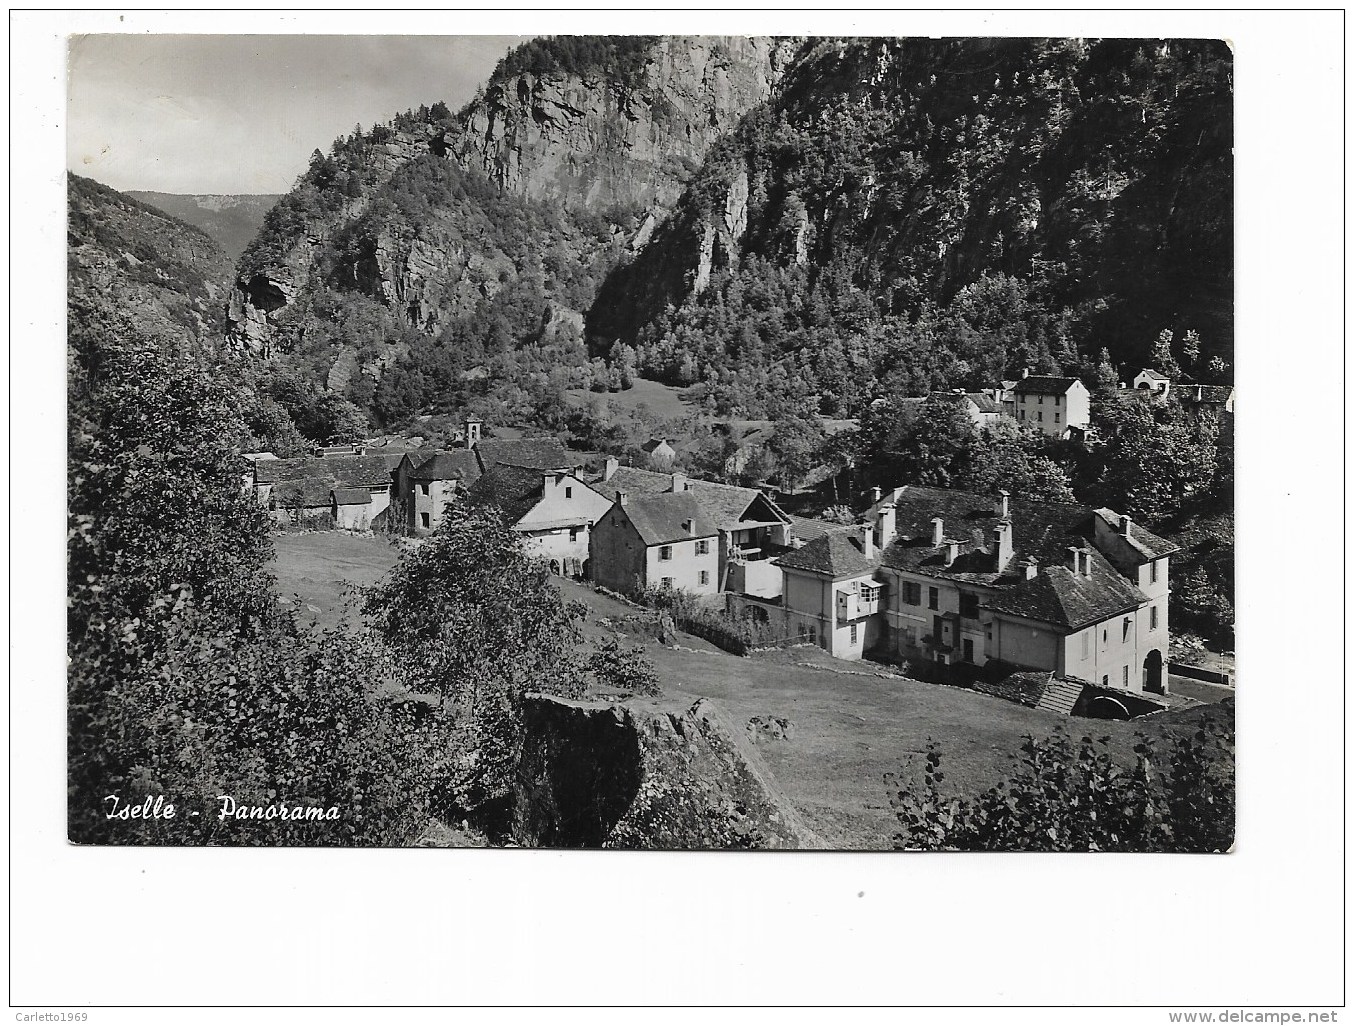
439, 246
908, 214
232, 221
165, 275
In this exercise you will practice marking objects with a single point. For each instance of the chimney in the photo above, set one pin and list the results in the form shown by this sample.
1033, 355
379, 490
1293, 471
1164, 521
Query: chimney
1002, 546
679, 482
1125, 525
1074, 559
937, 531
612, 465
867, 541
886, 524
472, 432
622, 498
874, 494
1002, 507
1031, 568
951, 551
1086, 562
689, 526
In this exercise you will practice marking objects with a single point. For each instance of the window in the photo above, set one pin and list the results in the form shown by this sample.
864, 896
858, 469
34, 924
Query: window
1022, 413
968, 650
1105, 680
1041, 400
568, 493
911, 593
968, 606
703, 547
869, 593
933, 598
1057, 418
855, 633
1154, 571
666, 582
1125, 676
573, 534
1041, 416
1105, 636
1127, 623
424, 517
1153, 616
1057, 400
423, 487
705, 577
664, 554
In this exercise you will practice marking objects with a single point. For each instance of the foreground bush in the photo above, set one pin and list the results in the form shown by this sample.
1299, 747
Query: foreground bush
1073, 796
738, 636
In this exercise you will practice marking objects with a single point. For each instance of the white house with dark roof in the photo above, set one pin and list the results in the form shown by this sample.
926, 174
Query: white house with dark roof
1060, 407
1034, 585
553, 510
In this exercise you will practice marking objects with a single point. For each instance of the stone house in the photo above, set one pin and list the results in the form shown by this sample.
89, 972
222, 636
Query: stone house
751, 527
1060, 407
350, 508
656, 540
1151, 381
833, 592
429, 481
300, 488
552, 509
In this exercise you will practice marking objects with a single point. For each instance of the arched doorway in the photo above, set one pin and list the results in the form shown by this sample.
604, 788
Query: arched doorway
1103, 707
554, 567
1152, 678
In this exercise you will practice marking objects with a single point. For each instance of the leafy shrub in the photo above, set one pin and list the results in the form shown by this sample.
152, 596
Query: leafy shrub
1068, 796
738, 636
626, 669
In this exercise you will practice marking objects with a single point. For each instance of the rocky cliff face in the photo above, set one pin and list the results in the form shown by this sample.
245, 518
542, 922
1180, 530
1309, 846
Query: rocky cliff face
602, 139
610, 776
1096, 172
168, 277
594, 140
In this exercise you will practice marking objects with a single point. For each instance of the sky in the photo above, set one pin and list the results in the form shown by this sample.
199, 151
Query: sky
242, 114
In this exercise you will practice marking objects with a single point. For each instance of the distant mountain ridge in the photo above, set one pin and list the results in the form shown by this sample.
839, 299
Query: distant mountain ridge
231, 220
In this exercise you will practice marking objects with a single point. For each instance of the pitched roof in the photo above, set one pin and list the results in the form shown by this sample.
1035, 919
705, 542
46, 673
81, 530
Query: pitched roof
654, 443
456, 465
533, 453
808, 528
352, 496
1204, 393
1143, 541
725, 504
1043, 530
1044, 385
659, 518
984, 402
839, 554
344, 471
306, 493
514, 490
1058, 596
632, 480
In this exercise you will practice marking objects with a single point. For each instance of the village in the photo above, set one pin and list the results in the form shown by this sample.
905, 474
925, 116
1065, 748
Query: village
1052, 605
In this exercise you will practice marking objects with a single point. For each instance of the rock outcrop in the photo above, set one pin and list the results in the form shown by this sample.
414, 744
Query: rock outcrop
601, 141
622, 776
595, 140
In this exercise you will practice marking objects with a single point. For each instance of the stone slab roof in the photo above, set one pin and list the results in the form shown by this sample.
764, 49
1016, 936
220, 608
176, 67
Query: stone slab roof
454, 465
838, 554
1043, 385
532, 453
659, 518
343, 471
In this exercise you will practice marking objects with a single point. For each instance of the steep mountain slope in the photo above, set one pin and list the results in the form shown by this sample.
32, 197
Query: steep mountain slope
591, 133
232, 221
167, 277
911, 213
